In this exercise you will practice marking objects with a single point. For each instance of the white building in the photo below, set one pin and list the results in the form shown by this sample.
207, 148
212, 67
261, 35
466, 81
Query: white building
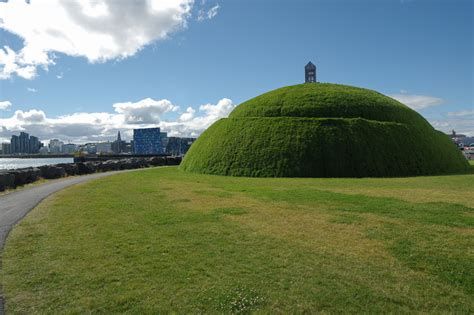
55, 146
69, 148
44, 150
103, 147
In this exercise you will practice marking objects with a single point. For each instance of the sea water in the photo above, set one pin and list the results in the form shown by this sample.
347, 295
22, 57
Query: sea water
11, 163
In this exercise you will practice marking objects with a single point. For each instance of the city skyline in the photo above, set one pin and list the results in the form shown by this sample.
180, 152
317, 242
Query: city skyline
158, 143
183, 74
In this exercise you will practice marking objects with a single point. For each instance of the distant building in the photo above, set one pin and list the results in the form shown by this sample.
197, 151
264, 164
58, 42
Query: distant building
119, 146
178, 146
149, 141
461, 140
15, 144
310, 73
55, 146
164, 140
24, 139
88, 148
103, 147
6, 148
44, 150
23, 144
34, 145
69, 148
128, 147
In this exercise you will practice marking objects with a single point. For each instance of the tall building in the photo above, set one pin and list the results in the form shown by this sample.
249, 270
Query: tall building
310, 73
149, 141
6, 148
24, 142
15, 144
33, 145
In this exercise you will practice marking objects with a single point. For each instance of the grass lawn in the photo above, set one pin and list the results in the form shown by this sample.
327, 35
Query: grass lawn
164, 240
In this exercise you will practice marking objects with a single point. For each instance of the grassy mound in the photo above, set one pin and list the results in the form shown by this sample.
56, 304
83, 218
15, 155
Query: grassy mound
323, 130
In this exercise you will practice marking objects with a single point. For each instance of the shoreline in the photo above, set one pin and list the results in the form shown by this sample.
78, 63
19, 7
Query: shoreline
12, 178
85, 157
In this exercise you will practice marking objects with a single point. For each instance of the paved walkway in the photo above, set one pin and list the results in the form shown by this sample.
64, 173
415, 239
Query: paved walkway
14, 206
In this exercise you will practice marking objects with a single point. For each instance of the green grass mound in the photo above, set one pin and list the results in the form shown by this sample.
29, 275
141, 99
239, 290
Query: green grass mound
323, 130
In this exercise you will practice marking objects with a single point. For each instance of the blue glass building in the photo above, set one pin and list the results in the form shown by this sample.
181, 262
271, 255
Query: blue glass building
149, 141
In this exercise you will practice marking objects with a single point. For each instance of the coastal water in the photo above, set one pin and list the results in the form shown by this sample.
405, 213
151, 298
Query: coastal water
9, 163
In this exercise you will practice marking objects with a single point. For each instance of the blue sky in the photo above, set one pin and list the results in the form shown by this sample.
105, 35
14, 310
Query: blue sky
221, 53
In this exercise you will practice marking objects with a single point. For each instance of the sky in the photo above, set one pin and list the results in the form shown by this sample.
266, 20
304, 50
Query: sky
81, 70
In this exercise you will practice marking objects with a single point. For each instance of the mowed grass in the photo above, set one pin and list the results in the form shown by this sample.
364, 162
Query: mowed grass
163, 240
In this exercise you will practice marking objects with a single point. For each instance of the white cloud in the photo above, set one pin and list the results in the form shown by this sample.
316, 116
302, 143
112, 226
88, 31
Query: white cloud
98, 30
417, 102
221, 109
209, 14
32, 116
462, 113
32, 90
84, 127
188, 115
60, 76
146, 111
461, 121
12, 63
192, 124
5, 104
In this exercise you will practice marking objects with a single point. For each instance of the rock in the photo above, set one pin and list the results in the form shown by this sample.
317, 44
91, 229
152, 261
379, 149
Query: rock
141, 163
7, 180
157, 161
85, 168
25, 175
173, 160
70, 168
20, 176
33, 174
110, 165
52, 171
126, 164
92, 166
102, 167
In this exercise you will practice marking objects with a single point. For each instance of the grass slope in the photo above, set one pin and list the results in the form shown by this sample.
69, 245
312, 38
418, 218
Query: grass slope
315, 147
171, 241
323, 130
326, 100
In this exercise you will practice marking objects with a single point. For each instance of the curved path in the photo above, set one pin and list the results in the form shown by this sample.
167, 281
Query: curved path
15, 206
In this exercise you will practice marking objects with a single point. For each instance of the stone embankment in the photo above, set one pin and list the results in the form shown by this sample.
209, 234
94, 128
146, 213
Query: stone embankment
10, 179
